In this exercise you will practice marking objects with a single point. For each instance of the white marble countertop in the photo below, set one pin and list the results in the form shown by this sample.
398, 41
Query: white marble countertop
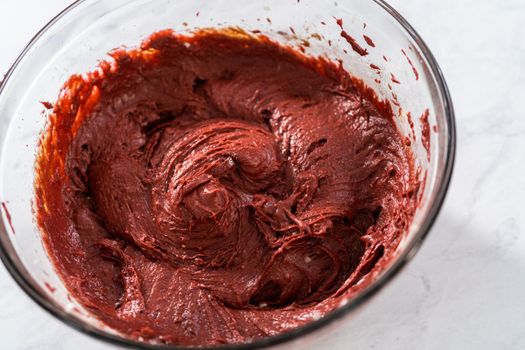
465, 289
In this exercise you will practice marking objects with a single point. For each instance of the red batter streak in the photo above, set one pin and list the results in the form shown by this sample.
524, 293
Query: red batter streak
376, 68
349, 39
369, 41
425, 131
414, 70
218, 188
8, 217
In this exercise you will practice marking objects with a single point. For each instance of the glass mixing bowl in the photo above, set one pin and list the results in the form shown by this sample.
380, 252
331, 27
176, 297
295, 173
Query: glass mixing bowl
399, 67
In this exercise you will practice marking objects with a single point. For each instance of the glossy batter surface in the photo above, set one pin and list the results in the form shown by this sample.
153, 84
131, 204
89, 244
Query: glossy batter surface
219, 188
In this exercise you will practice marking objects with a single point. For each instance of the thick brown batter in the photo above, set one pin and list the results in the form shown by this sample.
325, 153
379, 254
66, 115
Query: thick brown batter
218, 188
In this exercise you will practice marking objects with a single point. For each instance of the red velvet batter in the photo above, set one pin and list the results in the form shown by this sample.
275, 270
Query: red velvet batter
218, 188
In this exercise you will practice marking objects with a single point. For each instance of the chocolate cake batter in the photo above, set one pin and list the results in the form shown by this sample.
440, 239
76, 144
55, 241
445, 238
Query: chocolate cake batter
218, 187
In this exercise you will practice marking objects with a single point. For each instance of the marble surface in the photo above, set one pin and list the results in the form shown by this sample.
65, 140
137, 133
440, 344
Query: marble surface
465, 289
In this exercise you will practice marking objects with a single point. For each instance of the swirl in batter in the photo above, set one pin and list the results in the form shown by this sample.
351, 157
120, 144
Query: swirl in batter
218, 187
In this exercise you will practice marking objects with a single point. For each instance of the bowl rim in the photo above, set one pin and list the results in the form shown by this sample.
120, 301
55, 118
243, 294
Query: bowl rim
52, 308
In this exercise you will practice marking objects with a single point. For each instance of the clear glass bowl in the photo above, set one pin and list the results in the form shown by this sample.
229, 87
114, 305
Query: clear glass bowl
83, 33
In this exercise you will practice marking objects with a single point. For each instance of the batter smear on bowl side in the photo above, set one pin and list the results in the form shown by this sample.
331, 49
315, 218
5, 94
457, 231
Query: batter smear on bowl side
219, 187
